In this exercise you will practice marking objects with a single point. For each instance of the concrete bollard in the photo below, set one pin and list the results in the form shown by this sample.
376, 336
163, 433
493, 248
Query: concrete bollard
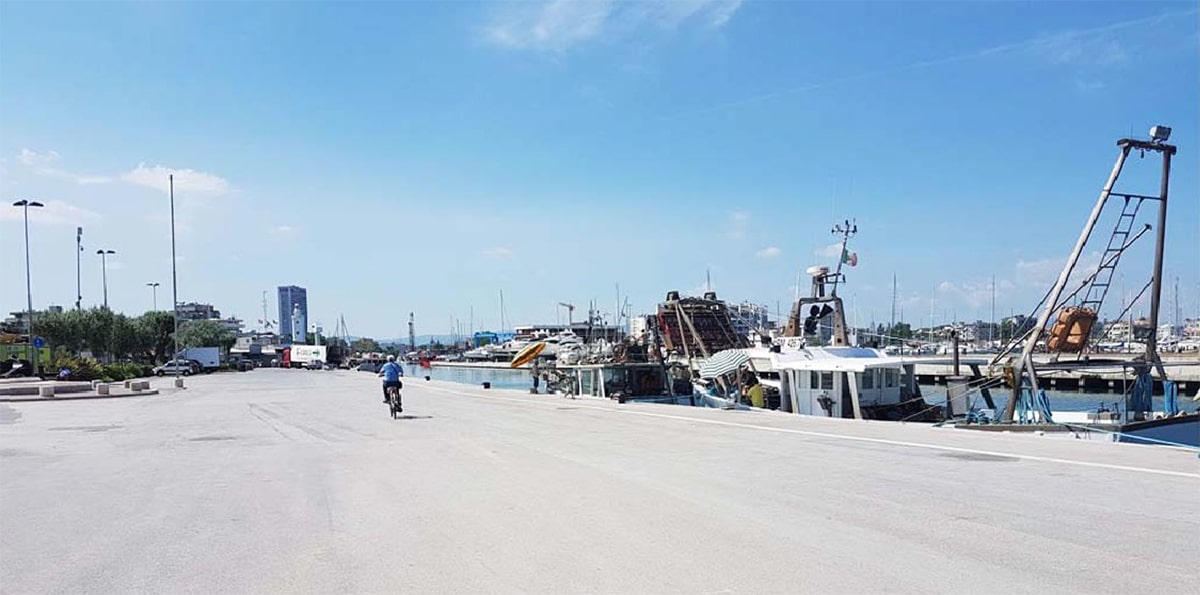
46, 391
102, 389
178, 382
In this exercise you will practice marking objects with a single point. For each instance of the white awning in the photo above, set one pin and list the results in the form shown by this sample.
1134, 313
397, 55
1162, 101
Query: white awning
723, 362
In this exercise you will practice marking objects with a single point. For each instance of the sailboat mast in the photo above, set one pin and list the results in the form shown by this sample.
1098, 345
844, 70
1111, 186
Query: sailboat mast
502, 327
892, 326
992, 326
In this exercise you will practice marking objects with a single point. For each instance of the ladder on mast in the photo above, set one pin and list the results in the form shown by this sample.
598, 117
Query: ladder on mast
1118, 241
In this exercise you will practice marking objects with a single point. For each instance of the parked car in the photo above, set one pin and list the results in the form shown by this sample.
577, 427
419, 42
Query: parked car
182, 367
368, 367
315, 364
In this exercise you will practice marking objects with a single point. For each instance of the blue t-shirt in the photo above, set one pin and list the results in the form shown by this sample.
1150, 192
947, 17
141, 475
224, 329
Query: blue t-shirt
391, 371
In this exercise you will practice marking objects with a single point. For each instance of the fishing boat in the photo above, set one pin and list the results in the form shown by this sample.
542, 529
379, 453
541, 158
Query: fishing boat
1074, 314
648, 382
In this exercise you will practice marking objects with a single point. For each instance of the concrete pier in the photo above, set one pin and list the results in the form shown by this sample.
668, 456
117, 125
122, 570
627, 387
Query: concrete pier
298, 481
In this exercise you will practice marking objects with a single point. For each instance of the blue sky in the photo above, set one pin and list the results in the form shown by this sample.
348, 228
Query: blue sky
397, 157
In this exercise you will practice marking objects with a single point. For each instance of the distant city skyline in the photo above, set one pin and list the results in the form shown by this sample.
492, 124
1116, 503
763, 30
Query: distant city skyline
422, 157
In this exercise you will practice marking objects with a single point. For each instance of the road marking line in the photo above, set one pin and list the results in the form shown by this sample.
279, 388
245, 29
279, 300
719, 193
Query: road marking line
735, 424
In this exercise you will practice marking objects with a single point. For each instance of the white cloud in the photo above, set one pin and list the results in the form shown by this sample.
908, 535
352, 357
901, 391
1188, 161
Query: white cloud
768, 252
558, 25
670, 13
187, 181
830, 251
1044, 272
498, 252
56, 212
39, 161
975, 294
738, 222
555, 25
1094, 51
283, 230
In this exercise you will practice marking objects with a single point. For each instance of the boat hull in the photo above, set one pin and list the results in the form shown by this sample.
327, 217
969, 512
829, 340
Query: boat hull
1182, 429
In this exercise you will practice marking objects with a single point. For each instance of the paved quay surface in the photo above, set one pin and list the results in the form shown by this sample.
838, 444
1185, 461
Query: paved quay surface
298, 481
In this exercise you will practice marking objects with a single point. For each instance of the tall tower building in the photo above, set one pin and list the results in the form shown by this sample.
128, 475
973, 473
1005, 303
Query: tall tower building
293, 314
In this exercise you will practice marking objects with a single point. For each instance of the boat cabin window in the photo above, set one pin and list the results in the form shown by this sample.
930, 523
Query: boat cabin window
820, 380
891, 378
647, 382
868, 379
616, 381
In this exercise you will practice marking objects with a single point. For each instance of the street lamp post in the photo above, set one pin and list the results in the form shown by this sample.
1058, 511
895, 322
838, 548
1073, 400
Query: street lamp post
174, 284
78, 268
25, 204
154, 290
104, 272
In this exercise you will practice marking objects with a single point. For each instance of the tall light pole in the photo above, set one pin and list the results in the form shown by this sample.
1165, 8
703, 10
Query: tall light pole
154, 290
174, 284
78, 267
104, 272
25, 204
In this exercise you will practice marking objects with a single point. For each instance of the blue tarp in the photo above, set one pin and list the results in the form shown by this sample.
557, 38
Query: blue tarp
1140, 399
1170, 397
1030, 407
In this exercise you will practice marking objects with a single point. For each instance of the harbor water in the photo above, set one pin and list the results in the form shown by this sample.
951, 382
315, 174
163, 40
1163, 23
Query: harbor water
1059, 400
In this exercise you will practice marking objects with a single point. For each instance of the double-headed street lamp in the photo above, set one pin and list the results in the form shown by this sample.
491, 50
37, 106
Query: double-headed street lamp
104, 272
154, 288
25, 204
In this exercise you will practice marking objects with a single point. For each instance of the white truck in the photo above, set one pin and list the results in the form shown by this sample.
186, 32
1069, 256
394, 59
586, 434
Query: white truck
307, 356
209, 357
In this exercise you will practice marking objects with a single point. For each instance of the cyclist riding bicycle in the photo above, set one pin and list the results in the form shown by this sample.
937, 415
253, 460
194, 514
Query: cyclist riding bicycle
391, 373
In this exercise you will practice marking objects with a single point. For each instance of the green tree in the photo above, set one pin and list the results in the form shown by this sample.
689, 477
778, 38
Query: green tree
96, 330
205, 333
125, 338
366, 345
901, 330
62, 330
157, 332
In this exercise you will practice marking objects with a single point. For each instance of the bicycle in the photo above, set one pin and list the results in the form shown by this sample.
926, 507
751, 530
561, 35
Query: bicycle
393, 393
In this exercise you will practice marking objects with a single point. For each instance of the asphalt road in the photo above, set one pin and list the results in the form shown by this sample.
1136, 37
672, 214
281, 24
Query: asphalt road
295, 481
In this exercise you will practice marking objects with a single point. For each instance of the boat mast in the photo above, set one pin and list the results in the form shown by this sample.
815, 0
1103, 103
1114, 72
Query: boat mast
1160, 238
502, 310
892, 326
1023, 368
847, 228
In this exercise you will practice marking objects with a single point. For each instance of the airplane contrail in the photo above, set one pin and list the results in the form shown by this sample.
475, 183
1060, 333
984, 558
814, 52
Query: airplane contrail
991, 51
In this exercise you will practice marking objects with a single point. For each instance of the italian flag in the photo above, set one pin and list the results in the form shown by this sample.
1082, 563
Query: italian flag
850, 258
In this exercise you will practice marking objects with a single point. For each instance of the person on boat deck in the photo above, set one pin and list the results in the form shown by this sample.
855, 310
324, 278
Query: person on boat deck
755, 392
